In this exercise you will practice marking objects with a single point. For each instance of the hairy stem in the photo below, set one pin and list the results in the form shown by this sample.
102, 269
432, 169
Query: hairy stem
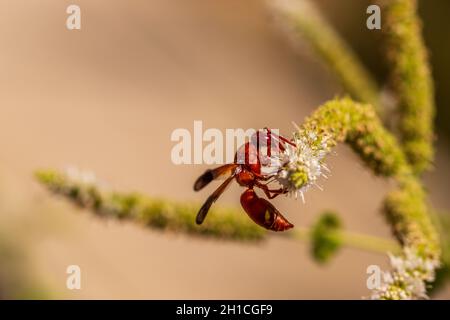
344, 120
153, 212
168, 215
307, 22
411, 80
357, 125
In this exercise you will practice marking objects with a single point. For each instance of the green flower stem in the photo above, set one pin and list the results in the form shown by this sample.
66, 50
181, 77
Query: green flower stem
153, 212
343, 120
307, 22
406, 209
354, 240
164, 214
340, 120
411, 80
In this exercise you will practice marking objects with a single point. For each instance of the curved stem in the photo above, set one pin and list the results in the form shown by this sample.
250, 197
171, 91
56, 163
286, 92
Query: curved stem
307, 22
343, 120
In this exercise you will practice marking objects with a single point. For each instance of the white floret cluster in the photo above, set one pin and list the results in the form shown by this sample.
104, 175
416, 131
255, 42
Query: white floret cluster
300, 167
408, 278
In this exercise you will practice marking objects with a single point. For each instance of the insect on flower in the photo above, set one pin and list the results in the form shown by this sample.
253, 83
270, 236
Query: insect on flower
248, 170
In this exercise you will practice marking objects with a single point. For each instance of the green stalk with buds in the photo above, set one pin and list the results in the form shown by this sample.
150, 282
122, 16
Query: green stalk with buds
354, 121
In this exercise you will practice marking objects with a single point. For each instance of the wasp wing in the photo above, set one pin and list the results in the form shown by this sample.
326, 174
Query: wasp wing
201, 215
210, 175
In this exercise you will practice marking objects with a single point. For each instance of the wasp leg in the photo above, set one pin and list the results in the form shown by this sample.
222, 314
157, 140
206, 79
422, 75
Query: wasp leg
280, 137
266, 138
270, 193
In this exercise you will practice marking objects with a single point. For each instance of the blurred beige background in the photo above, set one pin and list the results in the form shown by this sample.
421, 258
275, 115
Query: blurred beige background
107, 98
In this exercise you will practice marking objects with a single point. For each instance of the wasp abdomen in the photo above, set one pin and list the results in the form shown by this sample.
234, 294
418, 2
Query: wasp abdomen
263, 212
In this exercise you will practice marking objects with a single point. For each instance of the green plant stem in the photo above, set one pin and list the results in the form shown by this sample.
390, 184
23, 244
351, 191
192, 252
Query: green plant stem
354, 240
156, 213
344, 120
340, 120
308, 23
168, 215
406, 209
411, 80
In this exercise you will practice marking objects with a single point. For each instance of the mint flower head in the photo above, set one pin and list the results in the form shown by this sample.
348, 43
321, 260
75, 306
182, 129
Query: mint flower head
408, 278
300, 167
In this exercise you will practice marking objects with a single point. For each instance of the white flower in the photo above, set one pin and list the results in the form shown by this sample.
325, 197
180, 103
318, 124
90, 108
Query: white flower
299, 167
408, 277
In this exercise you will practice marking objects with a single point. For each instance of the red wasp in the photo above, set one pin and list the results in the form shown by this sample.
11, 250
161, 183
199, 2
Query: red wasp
246, 169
